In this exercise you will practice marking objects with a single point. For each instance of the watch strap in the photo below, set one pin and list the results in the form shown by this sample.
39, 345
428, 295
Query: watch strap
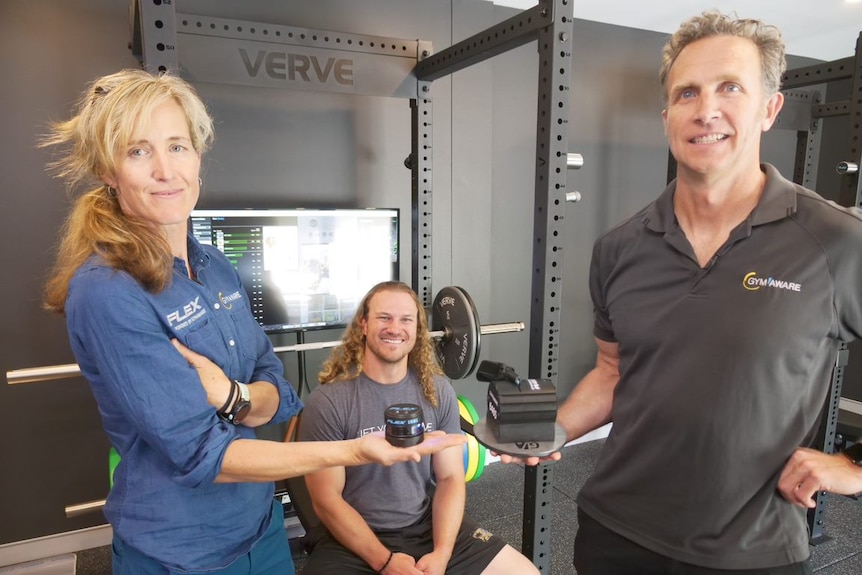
242, 406
230, 396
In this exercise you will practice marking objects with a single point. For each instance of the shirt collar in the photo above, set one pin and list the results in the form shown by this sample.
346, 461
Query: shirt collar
198, 258
777, 201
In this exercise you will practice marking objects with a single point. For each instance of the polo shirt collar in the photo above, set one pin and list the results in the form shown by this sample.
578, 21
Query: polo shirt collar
777, 201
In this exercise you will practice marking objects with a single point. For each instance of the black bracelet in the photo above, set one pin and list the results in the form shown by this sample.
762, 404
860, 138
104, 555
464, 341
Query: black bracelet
233, 389
385, 565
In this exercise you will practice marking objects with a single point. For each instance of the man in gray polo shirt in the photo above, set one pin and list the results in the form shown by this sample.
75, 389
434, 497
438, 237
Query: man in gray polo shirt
719, 310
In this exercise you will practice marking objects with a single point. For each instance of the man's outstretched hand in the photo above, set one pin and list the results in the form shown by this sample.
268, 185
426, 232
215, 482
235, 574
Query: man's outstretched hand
555, 456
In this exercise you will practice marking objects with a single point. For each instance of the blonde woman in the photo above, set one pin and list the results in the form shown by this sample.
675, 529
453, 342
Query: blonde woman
161, 328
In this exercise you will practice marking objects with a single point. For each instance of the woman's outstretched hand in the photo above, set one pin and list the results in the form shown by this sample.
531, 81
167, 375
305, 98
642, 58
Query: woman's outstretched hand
373, 448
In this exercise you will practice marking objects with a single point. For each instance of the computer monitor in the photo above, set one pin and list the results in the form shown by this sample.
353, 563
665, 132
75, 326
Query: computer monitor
304, 268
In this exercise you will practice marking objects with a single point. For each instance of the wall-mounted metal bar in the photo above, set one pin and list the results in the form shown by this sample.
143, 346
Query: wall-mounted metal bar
503, 37
242, 52
831, 109
818, 73
227, 51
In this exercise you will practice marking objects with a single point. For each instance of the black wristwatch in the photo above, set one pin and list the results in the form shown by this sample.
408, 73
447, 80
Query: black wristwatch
854, 453
242, 405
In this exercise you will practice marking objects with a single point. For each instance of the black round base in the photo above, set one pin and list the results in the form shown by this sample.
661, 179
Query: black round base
486, 437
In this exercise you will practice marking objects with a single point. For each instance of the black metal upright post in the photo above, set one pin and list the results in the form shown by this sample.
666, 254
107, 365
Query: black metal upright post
550, 24
154, 36
421, 183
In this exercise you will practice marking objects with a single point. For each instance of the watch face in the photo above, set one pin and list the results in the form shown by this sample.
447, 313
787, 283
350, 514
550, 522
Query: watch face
240, 411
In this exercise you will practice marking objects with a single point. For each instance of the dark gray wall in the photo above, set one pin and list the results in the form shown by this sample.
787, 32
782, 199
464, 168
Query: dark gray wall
301, 148
54, 453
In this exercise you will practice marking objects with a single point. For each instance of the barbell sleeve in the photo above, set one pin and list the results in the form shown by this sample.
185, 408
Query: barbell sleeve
31, 374
492, 328
307, 346
82, 508
34, 374
484, 330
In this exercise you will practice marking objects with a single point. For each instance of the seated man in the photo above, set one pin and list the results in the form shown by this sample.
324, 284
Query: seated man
408, 519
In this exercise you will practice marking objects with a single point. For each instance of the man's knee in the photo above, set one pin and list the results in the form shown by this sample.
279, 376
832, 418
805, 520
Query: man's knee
510, 561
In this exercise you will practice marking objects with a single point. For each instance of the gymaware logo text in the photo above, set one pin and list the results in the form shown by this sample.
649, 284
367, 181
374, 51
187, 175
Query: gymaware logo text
753, 283
227, 300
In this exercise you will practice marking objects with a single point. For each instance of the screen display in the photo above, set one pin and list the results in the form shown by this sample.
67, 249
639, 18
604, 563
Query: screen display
304, 268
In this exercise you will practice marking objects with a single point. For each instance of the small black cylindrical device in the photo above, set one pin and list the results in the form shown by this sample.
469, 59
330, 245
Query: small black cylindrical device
405, 424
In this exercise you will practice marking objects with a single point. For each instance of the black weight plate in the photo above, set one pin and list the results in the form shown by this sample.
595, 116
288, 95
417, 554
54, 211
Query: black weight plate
453, 312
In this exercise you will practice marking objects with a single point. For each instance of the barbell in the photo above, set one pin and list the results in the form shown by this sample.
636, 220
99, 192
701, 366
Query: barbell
454, 325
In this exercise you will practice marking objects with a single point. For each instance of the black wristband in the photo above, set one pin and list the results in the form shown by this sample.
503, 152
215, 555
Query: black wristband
233, 389
385, 565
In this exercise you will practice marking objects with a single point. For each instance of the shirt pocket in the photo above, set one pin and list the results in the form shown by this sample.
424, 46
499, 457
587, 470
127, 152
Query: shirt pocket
249, 334
204, 338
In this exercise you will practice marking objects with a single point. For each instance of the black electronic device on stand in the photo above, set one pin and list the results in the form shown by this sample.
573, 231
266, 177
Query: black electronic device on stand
521, 415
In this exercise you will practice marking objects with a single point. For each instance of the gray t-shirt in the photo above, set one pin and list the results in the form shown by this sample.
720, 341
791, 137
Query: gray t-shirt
386, 497
724, 372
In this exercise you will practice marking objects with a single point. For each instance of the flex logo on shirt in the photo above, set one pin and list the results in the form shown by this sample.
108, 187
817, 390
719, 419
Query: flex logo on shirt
753, 283
184, 317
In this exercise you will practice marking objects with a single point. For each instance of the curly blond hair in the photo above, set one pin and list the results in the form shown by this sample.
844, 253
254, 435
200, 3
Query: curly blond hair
345, 361
91, 142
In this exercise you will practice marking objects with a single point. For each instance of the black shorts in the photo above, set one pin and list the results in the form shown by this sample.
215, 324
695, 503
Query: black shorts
475, 548
600, 551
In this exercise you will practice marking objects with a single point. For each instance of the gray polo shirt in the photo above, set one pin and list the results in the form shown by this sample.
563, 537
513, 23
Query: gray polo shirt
724, 371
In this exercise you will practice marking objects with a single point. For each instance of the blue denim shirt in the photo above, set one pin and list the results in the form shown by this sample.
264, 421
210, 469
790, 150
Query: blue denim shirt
154, 409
